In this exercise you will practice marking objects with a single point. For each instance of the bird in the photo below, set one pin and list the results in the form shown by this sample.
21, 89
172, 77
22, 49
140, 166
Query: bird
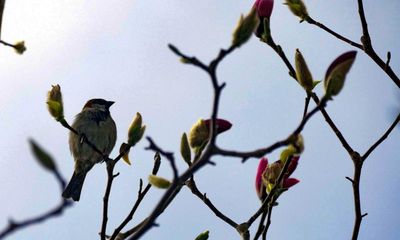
95, 124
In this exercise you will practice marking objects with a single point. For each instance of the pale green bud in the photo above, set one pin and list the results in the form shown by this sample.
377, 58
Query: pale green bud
159, 182
336, 73
203, 236
185, 149
198, 134
42, 156
55, 103
136, 130
245, 28
303, 74
298, 8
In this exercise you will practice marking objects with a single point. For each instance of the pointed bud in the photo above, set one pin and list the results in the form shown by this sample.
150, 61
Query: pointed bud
185, 149
260, 188
159, 182
136, 130
290, 182
293, 165
298, 8
198, 134
303, 74
222, 125
19, 47
203, 236
264, 8
245, 28
287, 152
336, 73
55, 103
124, 149
42, 156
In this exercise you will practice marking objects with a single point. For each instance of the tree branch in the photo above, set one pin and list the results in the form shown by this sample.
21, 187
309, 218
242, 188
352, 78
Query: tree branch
335, 34
57, 211
381, 139
141, 196
191, 184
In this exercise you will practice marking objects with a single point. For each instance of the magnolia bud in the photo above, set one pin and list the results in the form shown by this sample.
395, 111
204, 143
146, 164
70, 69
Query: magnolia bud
19, 47
124, 149
260, 188
203, 236
198, 134
136, 130
298, 8
159, 182
42, 156
336, 73
245, 28
264, 8
55, 103
185, 149
303, 74
221, 125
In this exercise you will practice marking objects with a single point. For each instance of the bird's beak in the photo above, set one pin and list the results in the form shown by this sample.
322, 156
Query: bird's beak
109, 103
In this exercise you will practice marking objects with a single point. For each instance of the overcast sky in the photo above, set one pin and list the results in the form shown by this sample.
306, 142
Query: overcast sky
117, 50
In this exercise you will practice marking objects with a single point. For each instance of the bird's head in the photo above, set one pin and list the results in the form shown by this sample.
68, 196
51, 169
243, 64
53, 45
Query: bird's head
98, 104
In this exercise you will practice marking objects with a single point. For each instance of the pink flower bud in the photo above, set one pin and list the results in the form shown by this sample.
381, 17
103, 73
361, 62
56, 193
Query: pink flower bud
267, 175
293, 165
264, 8
290, 182
260, 188
221, 124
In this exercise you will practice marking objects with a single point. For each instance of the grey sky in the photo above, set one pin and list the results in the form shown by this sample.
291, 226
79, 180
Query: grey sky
117, 50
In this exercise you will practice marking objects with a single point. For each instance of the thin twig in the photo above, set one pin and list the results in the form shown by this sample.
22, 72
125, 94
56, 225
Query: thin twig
110, 178
263, 151
178, 182
273, 191
261, 226
265, 231
140, 197
191, 184
168, 155
381, 139
356, 192
337, 35
306, 104
57, 211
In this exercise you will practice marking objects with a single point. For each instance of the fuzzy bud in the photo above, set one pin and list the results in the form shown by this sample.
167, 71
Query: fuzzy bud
42, 156
336, 73
303, 74
298, 8
20, 47
55, 103
159, 182
245, 28
136, 130
185, 149
203, 236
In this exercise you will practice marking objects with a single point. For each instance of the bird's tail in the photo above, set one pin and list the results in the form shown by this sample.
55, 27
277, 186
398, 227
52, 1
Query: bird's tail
74, 187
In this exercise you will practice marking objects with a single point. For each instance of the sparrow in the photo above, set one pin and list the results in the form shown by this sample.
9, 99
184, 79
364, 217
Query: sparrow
95, 124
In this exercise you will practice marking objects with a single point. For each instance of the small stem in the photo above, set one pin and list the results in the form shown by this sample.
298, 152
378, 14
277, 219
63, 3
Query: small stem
381, 139
357, 199
265, 231
261, 226
191, 184
322, 26
306, 104
110, 169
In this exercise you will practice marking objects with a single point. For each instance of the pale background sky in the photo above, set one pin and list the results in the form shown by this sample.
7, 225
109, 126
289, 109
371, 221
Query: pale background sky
117, 50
